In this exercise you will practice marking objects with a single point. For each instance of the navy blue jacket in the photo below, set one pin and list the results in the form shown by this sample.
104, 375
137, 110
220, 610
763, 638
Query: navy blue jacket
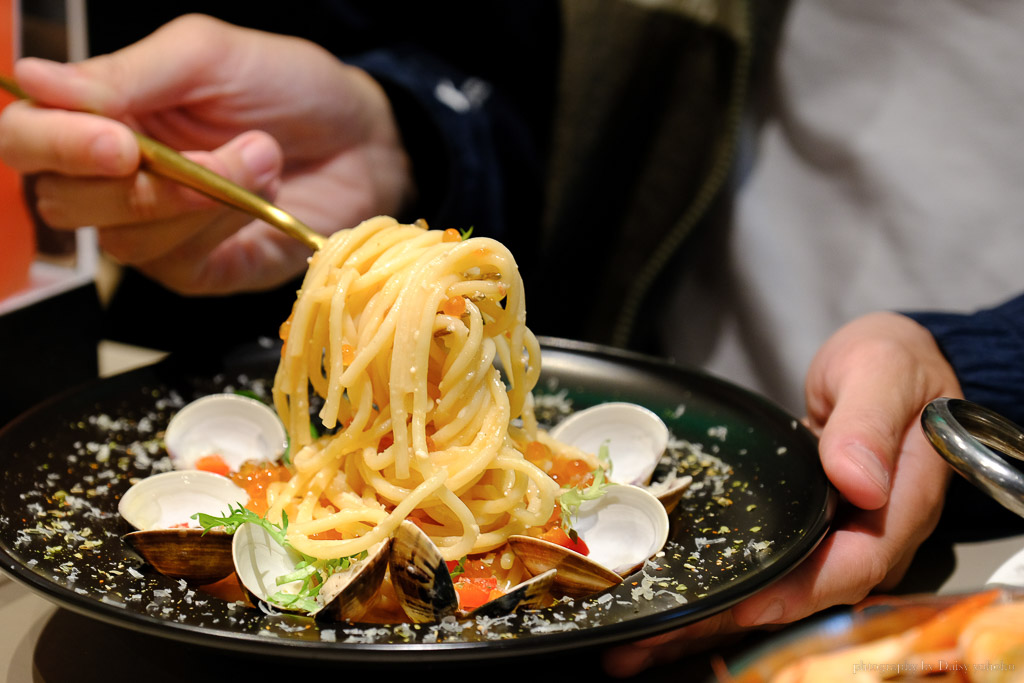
986, 349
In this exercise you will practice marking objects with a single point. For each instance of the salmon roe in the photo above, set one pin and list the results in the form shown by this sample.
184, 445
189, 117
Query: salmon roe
255, 477
455, 307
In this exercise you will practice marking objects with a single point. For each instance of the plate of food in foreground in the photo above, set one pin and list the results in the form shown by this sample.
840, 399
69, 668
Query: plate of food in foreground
970, 637
408, 471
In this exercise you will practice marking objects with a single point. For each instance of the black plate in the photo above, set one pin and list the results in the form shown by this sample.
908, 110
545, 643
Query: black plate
759, 504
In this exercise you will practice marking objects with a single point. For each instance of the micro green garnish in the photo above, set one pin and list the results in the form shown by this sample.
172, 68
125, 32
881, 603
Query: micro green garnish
312, 572
467, 233
242, 515
570, 499
460, 568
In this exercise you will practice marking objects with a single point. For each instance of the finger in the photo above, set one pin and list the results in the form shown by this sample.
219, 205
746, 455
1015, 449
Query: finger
859, 443
842, 570
33, 140
862, 391
66, 85
253, 160
220, 261
137, 78
64, 202
144, 242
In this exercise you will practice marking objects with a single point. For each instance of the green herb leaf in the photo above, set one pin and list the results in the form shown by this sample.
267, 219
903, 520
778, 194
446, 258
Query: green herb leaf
466, 234
571, 499
460, 568
236, 517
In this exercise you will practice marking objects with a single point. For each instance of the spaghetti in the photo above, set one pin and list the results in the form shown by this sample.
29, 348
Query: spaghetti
397, 328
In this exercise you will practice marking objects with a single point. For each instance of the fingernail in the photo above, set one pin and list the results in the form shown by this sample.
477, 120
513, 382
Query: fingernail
772, 613
260, 161
871, 465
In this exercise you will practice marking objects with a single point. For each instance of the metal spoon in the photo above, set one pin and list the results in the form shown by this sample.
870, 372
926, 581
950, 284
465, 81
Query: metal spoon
164, 161
963, 433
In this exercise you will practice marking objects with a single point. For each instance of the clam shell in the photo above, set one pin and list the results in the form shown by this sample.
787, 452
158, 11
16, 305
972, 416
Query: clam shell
185, 553
576, 576
635, 436
529, 593
348, 594
420, 576
259, 560
237, 428
168, 500
345, 596
622, 529
670, 490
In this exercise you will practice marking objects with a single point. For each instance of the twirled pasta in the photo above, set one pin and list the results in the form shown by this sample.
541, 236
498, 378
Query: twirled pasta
397, 328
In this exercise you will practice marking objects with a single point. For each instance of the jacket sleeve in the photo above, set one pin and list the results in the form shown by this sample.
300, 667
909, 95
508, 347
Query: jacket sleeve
986, 349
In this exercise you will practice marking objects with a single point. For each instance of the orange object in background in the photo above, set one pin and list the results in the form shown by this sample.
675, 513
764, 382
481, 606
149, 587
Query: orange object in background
17, 231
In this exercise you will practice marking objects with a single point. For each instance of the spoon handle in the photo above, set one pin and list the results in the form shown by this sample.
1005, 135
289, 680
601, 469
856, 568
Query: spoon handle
164, 161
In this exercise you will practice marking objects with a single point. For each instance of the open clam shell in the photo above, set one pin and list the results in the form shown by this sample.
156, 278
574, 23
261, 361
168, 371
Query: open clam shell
635, 436
425, 588
670, 490
576, 576
187, 554
259, 559
168, 500
345, 595
420, 576
237, 428
160, 507
622, 529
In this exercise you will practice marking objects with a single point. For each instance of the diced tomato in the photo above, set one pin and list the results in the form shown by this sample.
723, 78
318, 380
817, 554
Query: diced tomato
558, 536
474, 592
213, 463
451, 235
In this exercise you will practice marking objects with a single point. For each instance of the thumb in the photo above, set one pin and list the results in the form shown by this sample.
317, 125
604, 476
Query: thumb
860, 442
865, 389
253, 160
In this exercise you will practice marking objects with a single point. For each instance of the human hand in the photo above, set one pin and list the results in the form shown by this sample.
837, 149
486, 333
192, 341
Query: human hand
865, 391
277, 115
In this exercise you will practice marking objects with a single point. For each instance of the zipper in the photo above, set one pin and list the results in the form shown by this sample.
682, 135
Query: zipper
724, 157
